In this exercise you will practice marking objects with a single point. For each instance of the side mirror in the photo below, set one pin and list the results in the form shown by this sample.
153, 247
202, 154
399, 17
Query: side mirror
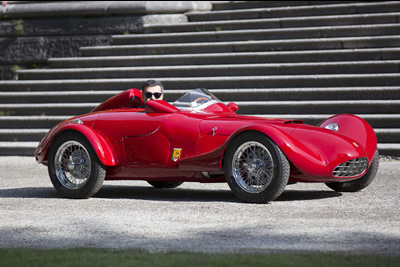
232, 106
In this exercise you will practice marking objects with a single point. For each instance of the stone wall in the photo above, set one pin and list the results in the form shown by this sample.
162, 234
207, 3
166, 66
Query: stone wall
33, 31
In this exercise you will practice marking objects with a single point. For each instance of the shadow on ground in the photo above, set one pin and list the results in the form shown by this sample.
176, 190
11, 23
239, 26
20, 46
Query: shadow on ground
155, 194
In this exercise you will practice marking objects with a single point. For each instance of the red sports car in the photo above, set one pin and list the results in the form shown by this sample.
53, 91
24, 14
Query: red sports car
200, 139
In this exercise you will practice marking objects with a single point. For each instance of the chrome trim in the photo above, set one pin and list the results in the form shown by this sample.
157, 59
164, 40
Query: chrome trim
351, 168
198, 108
332, 126
253, 167
78, 121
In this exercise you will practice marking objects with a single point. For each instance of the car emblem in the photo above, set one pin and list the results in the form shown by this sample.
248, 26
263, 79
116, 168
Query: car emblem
355, 144
214, 130
176, 154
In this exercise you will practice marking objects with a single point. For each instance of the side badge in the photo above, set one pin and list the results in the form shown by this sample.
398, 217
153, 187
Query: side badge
355, 144
176, 154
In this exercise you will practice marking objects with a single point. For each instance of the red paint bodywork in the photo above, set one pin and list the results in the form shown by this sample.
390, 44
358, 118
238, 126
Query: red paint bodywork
138, 143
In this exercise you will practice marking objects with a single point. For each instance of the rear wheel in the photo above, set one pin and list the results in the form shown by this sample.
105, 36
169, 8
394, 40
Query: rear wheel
256, 169
74, 167
164, 184
360, 183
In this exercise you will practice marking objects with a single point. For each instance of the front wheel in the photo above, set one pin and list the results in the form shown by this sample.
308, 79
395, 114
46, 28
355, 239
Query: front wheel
360, 183
256, 169
74, 167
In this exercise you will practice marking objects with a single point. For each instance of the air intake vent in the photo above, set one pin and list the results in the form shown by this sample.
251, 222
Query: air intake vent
294, 121
350, 168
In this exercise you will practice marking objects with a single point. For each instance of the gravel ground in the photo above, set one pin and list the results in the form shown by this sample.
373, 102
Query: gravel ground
198, 217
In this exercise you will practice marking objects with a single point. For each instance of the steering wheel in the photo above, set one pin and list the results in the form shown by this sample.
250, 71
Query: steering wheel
199, 99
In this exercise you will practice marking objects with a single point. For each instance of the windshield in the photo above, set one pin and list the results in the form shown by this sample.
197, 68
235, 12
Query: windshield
196, 99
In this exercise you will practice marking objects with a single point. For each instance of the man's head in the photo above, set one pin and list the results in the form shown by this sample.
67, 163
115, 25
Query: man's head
151, 90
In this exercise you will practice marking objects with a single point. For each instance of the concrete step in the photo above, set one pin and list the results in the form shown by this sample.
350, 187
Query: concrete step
22, 135
26, 135
222, 82
316, 107
389, 149
30, 122
56, 97
245, 107
259, 34
298, 94
383, 121
243, 94
232, 5
244, 46
388, 121
46, 109
28, 149
270, 23
18, 148
388, 135
296, 11
41, 122
228, 58
384, 66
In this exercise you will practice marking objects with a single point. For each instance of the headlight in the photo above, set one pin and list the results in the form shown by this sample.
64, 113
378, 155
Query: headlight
333, 126
78, 121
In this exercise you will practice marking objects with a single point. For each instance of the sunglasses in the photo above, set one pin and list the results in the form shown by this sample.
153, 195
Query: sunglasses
156, 95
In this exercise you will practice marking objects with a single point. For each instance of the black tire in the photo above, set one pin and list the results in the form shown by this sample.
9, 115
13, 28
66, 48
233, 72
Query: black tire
360, 183
74, 168
264, 173
164, 184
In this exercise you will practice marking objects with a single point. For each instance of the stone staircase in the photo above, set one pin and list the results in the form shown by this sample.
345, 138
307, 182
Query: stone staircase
304, 59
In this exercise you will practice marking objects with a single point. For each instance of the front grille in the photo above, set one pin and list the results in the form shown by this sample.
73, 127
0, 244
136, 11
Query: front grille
350, 168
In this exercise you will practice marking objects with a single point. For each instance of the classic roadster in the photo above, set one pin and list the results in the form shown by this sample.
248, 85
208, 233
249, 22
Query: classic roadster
200, 139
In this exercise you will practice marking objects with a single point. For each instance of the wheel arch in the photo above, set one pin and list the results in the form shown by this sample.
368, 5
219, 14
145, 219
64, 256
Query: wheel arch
280, 138
236, 135
102, 147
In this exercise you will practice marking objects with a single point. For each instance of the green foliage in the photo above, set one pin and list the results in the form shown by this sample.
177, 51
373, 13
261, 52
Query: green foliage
7, 113
105, 257
19, 26
32, 65
15, 68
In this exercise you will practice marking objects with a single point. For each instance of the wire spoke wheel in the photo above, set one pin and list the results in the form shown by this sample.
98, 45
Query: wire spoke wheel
74, 168
72, 165
253, 167
256, 169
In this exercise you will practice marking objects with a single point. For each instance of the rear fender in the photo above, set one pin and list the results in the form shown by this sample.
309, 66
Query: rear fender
101, 145
131, 98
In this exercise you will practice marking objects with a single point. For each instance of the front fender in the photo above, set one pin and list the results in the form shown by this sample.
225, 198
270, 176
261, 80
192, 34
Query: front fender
101, 145
357, 129
212, 160
290, 146
303, 156
301, 145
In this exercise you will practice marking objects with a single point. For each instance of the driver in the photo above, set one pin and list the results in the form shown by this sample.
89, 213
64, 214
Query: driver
152, 90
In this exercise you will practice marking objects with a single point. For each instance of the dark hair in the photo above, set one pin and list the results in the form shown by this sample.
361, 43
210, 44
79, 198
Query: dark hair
152, 83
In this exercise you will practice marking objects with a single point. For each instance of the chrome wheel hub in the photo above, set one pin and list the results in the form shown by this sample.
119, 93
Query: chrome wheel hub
253, 167
72, 165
